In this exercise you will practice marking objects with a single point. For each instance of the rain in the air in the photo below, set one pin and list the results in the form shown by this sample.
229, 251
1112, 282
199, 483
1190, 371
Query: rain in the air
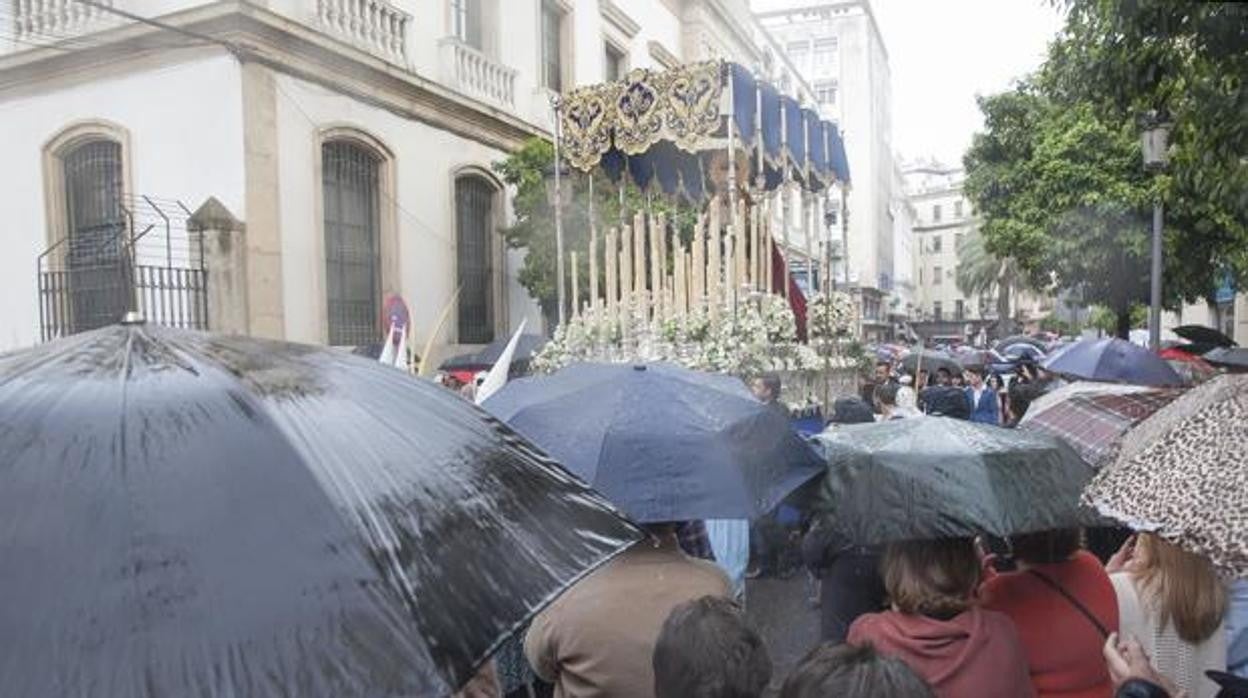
624, 349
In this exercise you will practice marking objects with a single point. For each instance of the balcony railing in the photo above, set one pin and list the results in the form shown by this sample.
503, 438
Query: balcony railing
45, 21
476, 75
372, 25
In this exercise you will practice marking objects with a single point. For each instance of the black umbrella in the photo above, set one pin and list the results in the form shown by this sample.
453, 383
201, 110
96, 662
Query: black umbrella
932, 361
934, 477
189, 515
1204, 335
1234, 358
526, 347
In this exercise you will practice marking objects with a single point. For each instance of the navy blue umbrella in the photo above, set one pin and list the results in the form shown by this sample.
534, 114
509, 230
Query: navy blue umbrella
662, 443
1113, 360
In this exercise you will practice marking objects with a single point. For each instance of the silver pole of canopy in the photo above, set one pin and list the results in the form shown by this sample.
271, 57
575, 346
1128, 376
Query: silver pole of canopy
732, 196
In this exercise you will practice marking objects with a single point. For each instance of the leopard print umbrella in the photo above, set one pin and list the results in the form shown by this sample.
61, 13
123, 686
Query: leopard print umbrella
1184, 473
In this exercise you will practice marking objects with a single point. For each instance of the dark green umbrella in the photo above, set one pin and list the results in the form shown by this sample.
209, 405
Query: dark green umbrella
934, 477
931, 361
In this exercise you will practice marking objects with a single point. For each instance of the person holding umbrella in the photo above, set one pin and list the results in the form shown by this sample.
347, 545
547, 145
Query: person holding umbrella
1173, 603
982, 400
926, 488
938, 630
1063, 604
598, 639
849, 575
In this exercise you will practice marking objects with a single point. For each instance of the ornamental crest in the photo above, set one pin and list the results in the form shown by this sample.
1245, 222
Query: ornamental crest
692, 104
639, 112
585, 124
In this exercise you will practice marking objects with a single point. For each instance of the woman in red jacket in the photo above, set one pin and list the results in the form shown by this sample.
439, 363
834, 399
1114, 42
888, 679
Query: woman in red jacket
937, 629
1063, 604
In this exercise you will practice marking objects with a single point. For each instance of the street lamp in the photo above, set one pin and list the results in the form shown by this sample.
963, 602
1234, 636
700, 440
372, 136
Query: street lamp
1153, 143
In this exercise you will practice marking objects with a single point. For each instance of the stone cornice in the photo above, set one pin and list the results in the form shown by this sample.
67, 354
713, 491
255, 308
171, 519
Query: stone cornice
660, 53
618, 19
258, 35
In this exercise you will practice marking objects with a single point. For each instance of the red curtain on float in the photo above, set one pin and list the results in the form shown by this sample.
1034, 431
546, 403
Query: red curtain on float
797, 300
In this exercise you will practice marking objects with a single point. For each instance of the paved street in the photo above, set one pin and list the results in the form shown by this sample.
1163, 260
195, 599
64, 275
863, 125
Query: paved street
780, 612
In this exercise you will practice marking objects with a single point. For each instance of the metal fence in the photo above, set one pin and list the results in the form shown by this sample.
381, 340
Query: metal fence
146, 261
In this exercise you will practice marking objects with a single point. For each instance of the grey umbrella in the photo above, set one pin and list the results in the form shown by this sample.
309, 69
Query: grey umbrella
935, 477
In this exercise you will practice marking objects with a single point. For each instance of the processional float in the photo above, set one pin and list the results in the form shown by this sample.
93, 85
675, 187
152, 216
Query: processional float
718, 138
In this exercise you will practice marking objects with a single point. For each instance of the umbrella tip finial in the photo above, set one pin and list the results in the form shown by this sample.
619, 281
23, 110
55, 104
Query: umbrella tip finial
133, 317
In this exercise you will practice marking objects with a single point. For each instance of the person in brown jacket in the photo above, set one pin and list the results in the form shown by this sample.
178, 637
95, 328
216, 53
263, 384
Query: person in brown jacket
598, 638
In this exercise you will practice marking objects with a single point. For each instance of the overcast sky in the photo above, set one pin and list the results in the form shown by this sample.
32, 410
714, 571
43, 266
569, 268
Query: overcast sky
943, 53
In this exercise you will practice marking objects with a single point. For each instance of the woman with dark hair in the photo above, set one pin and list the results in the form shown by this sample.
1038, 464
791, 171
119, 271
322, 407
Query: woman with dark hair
936, 627
706, 649
1063, 604
846, 671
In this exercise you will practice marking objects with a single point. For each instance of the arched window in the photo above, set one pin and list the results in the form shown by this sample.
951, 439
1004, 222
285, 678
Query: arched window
350, 176
474, 221
95, 257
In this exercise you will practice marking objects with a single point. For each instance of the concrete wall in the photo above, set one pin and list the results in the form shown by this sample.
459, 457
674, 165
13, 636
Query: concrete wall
184, 121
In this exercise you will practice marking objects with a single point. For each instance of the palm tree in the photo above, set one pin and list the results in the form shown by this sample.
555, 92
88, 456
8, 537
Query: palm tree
981, 272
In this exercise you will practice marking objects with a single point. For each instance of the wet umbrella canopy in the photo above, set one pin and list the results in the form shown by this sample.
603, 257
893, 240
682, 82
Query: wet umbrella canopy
930, 361
935, 477
1018, 339
663, 443
1113, 360
190, 515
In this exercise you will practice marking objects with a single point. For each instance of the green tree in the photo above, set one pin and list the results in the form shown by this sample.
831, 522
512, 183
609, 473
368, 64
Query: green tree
533, 229
1057, 173
1061, 192
1189, 62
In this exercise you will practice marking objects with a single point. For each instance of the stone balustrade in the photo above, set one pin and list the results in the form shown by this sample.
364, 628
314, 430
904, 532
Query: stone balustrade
47, 21
373, 25
476, 75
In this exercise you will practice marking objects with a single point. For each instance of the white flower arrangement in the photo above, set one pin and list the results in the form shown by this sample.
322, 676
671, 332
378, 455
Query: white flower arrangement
760, 336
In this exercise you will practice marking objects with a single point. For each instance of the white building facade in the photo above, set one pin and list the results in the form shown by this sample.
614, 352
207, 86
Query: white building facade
837, 46
944, 217
281, 167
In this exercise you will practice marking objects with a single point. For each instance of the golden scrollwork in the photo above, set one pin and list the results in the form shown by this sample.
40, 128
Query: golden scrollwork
586, 123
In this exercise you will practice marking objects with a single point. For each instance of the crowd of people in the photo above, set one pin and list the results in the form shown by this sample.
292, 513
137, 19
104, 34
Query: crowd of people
1034, 615
935, 618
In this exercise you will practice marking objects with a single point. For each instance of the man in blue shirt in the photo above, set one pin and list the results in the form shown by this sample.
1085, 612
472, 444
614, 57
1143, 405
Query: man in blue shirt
983, 401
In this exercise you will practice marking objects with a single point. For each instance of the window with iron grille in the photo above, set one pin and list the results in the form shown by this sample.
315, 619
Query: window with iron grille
351, 179
474, 220
100, 287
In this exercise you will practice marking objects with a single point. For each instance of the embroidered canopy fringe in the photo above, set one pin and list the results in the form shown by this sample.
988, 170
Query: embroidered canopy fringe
660, 125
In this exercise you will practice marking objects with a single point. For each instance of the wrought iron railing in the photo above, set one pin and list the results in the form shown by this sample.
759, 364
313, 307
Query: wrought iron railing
147, 261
